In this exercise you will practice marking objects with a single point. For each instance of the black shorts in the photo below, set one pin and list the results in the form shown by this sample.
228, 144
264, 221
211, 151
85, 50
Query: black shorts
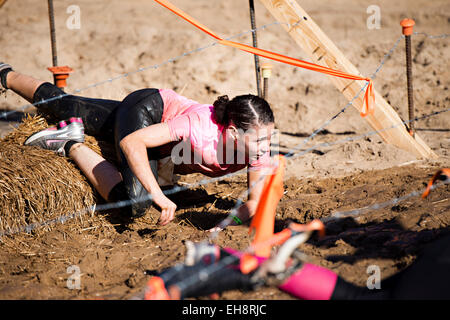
110, 120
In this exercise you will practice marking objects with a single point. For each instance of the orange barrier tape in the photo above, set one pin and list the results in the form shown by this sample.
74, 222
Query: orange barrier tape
264, 220
281, 237
440, 173
188, 18
369, 97
249, 262
315, 225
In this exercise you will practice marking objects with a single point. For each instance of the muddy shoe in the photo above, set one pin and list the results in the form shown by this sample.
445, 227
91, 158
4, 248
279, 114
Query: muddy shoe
55, 138
4, 69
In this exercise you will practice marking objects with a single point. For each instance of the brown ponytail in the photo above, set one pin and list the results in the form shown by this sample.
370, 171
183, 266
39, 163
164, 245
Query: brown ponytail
243, 111
220, 110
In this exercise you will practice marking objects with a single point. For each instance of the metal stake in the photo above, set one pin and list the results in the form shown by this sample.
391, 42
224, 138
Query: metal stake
60, 74
255, 44
407, 25
51, 17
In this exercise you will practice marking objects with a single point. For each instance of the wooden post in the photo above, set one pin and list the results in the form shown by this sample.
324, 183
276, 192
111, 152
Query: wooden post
266, 73
322, 50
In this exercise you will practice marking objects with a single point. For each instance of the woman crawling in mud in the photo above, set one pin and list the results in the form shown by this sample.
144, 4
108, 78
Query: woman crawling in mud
152, 128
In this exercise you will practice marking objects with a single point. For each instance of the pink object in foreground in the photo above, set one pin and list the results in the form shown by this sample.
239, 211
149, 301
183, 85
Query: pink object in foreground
311, 282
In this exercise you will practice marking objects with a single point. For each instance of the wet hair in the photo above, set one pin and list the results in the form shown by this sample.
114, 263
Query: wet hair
244, 111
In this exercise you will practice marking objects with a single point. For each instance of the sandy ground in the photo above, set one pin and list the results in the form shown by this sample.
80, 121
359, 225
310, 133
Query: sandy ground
118, 37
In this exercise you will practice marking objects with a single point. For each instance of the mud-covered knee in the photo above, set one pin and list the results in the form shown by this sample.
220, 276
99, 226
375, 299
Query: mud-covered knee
139, 203
118, 193
45, 92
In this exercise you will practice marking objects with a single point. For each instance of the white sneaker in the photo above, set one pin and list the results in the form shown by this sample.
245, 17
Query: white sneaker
55, 138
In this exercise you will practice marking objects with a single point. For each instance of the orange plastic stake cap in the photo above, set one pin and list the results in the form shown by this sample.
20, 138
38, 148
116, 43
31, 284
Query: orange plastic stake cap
61, 74
407, 25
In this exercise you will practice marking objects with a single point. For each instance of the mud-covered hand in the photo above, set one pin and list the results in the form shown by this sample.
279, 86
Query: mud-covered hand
167, 208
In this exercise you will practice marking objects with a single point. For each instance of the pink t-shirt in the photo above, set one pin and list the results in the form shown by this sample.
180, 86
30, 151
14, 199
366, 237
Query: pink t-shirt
193, 123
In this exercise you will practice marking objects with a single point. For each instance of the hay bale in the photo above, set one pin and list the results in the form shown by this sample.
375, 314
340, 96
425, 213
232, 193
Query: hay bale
38, 185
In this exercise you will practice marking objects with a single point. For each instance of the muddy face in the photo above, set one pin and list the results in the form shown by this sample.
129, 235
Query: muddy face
255, 142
